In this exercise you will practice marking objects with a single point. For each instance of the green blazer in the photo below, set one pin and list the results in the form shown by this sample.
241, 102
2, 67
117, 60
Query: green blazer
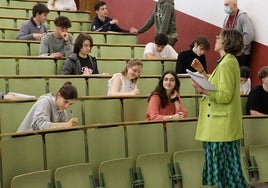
220, 115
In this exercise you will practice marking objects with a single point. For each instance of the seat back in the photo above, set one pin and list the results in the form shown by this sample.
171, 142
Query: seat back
115, 52
258, 157
121, 39
154, 169
12, 114
40, 179
14, 48
21, 155
77, 175
105, 144
111, 66
152, 68
147, 84
189, 164
65, 148
144, 139
135, 109
29, 86
38, 66
102, 110
181, 136
255, 132
98, 86
116, 173
8, 66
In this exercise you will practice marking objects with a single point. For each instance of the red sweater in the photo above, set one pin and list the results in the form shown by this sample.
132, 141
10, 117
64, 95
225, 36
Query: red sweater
156, 112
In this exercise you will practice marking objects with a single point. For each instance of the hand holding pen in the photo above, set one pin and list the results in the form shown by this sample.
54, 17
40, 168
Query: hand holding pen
73, 121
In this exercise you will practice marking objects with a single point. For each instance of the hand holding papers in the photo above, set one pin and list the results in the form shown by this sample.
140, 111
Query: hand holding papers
201, 80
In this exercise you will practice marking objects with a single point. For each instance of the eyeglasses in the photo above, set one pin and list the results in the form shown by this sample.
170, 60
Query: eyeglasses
218, 37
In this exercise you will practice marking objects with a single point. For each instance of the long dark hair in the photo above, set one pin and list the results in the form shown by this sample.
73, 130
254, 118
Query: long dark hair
68, 91
161, 91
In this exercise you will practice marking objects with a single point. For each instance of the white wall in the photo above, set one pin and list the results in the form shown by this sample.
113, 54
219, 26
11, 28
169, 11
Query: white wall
212, 11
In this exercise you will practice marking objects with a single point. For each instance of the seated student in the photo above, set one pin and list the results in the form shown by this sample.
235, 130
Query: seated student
124, 83
49, 111
257, 103
164, 103
57, 44
79, 62
197, 50
103, 23
61, 5
34, 29
245, 82
159, 49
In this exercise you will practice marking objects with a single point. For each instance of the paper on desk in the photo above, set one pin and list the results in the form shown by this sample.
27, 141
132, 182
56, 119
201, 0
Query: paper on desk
201, 80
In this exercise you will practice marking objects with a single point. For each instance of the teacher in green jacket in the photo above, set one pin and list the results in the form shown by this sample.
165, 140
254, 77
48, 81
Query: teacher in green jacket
220, 117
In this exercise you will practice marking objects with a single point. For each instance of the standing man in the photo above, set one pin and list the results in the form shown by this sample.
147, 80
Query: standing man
164, 19
34, 28
239, 20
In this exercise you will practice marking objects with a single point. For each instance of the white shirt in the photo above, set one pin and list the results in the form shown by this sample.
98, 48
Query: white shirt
245, 88
167, 52
61, 5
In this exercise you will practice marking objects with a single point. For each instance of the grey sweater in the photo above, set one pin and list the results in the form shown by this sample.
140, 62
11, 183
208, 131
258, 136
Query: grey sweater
43, 112
164, 18
28, 28
50, 44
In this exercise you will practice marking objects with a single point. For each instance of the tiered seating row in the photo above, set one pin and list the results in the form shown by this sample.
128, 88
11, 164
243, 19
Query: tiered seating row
95, 144
90, 144
90, 110
31, 48
26, 12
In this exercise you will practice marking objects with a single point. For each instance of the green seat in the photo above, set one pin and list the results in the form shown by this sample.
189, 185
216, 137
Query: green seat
111, 66
181, 136
186, 85
12, 114
28, 86
7, 22
3, 85
169, 65
10, 34
34, 49
105, 144
97, 37
144, 139
135, 109
102, 110
152, 67
54, 84
121, 38
155, 170
258, 157
77, 175
76, 15
21, 4
246, 167
8, 66
115, 52
13, 48
40, 66
98, 86
86, 26
40, 179
6, 11
191, 105
116, 173
64, 148
138, 51
19, 22
189, 167
21, 155
4, 3
255, 132
147, 84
